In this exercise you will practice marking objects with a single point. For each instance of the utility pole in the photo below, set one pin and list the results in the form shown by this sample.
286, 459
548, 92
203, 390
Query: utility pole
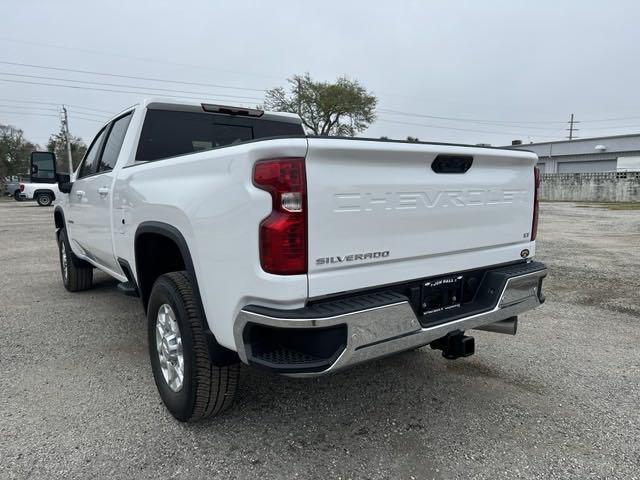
571, 128
67, 138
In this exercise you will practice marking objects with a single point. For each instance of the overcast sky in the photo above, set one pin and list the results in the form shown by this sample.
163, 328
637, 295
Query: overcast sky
503, 69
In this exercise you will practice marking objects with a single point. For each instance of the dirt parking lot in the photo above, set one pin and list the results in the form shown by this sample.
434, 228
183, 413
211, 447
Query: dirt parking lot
559, 400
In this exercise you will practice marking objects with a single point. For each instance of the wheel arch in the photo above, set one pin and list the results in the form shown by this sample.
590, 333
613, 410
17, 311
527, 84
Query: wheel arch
44, 190
151, 231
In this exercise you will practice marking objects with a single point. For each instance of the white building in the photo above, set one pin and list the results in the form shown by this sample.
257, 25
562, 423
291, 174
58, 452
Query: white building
598, 154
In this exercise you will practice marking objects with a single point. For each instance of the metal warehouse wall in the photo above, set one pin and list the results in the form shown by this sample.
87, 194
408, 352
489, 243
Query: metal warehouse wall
583, 146
556, 156
602, 162
587, 166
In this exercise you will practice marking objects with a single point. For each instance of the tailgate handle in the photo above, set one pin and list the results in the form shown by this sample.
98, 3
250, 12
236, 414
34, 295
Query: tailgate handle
452, 163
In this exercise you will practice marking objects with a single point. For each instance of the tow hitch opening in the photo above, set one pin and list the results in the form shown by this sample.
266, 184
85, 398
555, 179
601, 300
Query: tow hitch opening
455, 345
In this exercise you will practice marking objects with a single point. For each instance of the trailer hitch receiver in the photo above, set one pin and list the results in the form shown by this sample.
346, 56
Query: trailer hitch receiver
454, 345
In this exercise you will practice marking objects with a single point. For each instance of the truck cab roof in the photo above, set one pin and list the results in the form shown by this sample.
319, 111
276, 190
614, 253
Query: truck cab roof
167, 103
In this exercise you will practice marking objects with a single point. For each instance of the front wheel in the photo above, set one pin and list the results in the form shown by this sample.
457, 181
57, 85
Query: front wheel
44, 199
77, 274
191, 387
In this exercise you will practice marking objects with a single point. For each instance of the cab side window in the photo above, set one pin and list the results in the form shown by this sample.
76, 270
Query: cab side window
114, 143
90, 162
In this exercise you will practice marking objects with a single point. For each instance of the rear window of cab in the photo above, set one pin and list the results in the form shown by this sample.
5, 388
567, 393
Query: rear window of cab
168, 133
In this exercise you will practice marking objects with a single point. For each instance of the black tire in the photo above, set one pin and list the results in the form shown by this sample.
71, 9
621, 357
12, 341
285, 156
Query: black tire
44, 199
79, 274
207, 390
16, 196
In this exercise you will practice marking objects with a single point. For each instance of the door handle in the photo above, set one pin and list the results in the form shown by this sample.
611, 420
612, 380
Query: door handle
80, 194
103, 191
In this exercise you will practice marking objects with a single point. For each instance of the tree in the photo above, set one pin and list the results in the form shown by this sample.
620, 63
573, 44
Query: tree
412, 139
343, 108
57, 144
15, 151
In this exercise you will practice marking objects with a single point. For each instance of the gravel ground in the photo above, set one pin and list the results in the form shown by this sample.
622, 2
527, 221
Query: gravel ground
559, 400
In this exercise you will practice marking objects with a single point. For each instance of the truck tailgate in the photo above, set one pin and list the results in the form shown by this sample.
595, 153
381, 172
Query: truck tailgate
378, 213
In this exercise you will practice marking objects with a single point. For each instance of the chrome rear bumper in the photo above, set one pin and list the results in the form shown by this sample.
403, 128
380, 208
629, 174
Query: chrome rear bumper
381, 331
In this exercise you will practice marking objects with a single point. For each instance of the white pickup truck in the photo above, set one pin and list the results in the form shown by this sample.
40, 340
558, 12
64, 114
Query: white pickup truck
248, 241
42, 186
43, 193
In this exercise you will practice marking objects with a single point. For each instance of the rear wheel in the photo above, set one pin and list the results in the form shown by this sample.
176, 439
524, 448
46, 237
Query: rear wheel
16, 196
77, 274
191, 387
44, 199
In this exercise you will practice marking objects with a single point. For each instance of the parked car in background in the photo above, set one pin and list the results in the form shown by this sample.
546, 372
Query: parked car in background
10, 189
11, 186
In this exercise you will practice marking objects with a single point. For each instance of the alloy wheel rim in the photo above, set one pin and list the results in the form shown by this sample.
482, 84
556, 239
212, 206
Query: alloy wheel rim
169, 348
63, 254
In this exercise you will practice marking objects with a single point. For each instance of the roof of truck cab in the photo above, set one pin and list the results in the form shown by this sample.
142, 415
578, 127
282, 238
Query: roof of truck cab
196, 106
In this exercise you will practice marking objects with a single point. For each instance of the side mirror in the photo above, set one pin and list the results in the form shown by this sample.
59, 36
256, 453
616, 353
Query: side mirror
43, 167
64, 182
43, 170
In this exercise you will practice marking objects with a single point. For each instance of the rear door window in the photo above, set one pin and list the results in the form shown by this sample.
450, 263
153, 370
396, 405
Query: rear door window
167, 133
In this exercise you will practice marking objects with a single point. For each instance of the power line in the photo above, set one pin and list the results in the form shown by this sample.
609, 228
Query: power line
132, 77
75, 117
101, 116
472, 120
611, 127
460, 129
29, 108
56, 104
90, 109
514, 123
609, 120
88, 82
78, 87
145, 59
33, 114
96, 119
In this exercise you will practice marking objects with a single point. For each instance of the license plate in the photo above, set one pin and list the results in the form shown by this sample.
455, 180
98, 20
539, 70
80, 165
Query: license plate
441, 294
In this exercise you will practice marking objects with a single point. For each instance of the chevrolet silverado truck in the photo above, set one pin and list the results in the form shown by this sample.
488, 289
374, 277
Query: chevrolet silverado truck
248, 241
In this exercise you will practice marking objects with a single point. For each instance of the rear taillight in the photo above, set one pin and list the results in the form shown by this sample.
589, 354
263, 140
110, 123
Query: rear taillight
283, 234
22, 187
536, 202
